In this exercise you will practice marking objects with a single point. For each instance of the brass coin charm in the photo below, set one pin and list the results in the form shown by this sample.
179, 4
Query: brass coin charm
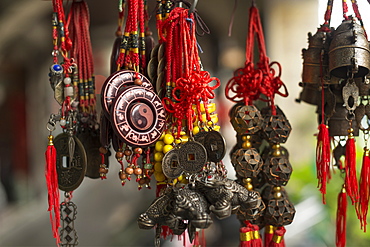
215, 146
138, 116
170, 164
71, 169
192, 156
91, 142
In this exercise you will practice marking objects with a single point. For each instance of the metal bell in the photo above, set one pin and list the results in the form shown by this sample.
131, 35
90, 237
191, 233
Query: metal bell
338, 123
349, 51
315, 66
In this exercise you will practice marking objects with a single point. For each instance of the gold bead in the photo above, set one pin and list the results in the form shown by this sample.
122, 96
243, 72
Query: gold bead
277, 195
247, 180
247, 144
277, 189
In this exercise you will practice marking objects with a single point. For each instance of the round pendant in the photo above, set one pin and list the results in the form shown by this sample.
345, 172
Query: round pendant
71, 161
192, 156
170, 164
138, 116
215, 145
117, 82
91, 142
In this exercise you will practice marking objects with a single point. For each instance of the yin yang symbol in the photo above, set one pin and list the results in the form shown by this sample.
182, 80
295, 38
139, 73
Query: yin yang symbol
141, 116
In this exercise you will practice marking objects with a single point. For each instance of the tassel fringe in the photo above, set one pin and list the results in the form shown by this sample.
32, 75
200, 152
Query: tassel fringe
323, 159
363, 204
341, 219
53, 190
350, 168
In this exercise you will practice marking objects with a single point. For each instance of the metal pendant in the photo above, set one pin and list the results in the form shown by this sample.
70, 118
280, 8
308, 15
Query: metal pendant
247, 162
115, 83
71, 161
277, 170
279, 210
192, 156
68, 234
138, 116
276, 128
246, 119
215, 145
350, 95
91, 142
170, 164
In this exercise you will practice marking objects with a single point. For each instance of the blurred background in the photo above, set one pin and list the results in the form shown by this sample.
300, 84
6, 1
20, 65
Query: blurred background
107, 212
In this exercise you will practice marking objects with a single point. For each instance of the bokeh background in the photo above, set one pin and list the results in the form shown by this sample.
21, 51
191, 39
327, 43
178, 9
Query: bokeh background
107, 211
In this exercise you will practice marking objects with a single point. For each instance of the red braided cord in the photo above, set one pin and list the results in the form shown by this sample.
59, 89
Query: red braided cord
345, 9
249, 82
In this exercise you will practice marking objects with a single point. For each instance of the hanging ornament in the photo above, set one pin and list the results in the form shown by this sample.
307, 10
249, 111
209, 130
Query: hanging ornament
251, 84
341, 77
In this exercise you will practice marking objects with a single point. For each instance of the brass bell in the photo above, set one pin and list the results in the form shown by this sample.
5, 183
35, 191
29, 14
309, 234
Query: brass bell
338, 123
315, 66
349, 51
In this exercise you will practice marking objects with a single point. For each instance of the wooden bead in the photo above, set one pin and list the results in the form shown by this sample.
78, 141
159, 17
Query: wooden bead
129, 170
138, 150
128, 152
103, 150
103, 170
119, 155
138, 171
148, 33
142, 181
138, 82
122, 175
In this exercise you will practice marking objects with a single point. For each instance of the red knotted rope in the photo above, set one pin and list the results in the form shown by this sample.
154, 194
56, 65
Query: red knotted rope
192, 85
250, 82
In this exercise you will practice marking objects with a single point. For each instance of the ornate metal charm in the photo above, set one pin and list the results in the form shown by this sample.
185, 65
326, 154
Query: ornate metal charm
277, 170
192, 156
246, 119
138, 116
247, 162
276, 128
225, 195
115, 83
215, 145
170, 164
279, 210
68, 234
71, 162
350, 95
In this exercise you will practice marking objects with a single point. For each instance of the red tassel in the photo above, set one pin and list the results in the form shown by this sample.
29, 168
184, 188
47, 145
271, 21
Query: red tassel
341, 219
278, 237
166, 232
202, 239
323, 159
350, 168
246, 235
53, 190
196, 239
256, 241
269, 233
363, 204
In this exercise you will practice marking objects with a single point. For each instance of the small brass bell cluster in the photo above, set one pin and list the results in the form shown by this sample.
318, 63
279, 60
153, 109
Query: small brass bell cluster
337, 61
